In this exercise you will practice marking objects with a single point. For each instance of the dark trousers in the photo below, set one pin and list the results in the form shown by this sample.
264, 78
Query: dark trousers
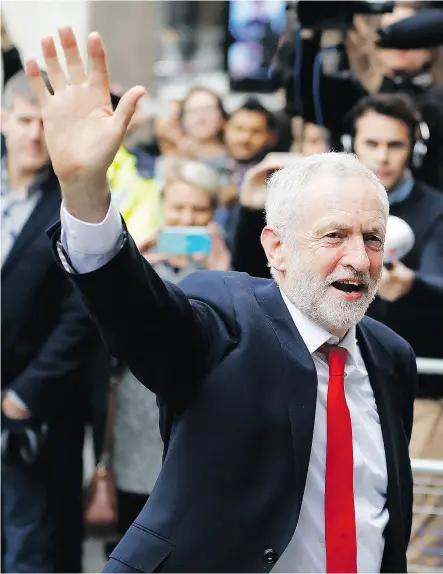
42, 506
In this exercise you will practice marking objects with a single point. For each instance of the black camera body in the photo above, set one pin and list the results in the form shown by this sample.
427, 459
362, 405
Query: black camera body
323, 15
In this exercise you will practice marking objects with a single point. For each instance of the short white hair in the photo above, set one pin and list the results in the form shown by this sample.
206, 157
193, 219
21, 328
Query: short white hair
193, 172
286, 189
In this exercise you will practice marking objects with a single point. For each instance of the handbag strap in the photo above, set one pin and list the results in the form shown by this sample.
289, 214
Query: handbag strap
106, 455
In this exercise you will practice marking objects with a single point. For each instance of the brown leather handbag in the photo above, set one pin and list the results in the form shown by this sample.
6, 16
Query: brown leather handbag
100, 515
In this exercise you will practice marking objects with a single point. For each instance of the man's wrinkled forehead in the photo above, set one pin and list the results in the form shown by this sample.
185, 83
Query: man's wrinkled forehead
328, 195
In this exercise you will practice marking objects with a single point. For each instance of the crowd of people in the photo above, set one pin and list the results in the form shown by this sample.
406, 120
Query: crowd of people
207, 168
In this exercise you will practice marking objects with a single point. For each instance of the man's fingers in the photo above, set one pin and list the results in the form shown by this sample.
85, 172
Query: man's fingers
76, 68
36, 82
55, 73
126, 107
98, 75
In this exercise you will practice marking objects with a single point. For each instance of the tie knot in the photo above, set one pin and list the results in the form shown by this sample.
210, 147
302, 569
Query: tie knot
336, 358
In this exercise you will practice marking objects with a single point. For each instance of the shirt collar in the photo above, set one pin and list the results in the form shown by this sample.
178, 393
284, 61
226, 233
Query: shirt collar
402, 190
314, 336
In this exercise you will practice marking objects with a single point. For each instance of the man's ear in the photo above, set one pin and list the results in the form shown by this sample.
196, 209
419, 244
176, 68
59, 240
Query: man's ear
273, 246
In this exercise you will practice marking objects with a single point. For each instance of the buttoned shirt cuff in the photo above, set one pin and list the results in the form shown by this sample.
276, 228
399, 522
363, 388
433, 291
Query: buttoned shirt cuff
89, 246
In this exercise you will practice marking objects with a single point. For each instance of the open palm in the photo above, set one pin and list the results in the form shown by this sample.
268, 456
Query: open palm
82, 132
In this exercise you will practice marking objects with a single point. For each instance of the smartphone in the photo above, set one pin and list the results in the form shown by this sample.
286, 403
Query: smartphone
183, 240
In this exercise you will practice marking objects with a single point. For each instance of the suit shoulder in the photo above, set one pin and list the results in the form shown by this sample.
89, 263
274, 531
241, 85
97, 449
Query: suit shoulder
215, 283
388, 338
222, 291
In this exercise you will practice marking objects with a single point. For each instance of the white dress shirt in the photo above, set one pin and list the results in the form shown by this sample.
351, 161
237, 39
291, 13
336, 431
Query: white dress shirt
89, 246
307, 552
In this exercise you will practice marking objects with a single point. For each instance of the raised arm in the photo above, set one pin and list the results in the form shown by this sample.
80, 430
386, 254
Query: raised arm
167, 337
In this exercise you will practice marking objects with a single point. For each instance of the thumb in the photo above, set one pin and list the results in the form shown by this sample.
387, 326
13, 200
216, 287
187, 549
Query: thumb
127, 106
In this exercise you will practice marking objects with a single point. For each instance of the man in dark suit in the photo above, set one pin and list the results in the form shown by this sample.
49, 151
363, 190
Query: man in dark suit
49, 350
271, 463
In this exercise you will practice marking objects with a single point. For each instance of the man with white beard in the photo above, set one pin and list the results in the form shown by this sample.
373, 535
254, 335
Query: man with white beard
285, 413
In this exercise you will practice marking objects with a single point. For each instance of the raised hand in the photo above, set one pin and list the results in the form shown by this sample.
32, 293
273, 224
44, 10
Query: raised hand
253, 191
82, 132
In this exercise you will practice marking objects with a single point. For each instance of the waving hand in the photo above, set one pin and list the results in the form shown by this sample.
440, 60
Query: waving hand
82, 132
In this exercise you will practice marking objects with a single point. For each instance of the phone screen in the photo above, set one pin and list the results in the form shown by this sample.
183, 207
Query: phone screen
184, 240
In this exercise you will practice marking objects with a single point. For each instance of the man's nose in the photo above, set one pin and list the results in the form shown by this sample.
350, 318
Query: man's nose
356, 256
382, 154
187, 217
36, 131
243, 137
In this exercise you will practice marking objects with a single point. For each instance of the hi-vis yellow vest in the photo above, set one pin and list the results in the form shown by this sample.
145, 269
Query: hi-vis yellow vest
137, 197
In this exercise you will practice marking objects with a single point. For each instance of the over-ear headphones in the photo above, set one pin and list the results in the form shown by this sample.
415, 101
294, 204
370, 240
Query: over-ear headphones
419, 138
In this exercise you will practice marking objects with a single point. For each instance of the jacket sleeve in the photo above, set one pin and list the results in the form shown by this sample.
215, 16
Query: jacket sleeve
408, 396
429, 276
169, 337
247, 251
63, 354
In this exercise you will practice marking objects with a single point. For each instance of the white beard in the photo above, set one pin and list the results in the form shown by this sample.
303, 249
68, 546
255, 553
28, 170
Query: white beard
311, 296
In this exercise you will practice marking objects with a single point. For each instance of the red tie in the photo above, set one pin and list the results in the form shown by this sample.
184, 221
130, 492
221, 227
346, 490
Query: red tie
340, 531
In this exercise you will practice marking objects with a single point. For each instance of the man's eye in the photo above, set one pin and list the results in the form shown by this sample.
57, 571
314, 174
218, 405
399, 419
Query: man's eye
374, 241
333, 235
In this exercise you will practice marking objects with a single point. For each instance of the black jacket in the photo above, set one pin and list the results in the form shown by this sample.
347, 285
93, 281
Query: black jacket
237, 391
49, 345
418, 316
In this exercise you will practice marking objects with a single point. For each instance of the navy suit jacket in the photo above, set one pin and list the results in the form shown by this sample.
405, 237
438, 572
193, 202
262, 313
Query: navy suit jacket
237, 388
49, 345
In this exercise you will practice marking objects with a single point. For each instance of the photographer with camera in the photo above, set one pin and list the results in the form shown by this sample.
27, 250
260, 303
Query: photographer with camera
325, 98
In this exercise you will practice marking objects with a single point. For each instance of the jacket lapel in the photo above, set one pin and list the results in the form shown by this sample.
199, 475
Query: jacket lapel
379, 362
299, 378
41, 217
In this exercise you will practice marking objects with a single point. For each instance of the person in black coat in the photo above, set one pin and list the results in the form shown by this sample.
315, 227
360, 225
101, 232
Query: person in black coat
51, 353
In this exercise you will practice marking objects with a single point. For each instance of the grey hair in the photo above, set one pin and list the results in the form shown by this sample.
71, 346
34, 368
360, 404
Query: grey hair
18, 86
286, 189
195, 173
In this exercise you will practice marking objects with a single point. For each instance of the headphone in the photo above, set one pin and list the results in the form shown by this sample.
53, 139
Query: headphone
419, 138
